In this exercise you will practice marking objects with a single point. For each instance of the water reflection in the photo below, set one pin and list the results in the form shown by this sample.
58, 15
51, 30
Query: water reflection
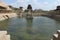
29, 22
39, 28
29, 29
29, 25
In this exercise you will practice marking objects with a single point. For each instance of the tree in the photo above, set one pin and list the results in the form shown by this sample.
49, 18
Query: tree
29, 7
21, 8
58, 8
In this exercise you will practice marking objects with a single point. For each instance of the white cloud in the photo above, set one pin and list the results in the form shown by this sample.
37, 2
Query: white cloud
37, 4
46, 3
20, 3
58, 2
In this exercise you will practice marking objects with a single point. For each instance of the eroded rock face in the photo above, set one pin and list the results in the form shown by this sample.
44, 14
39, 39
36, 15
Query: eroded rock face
4, 6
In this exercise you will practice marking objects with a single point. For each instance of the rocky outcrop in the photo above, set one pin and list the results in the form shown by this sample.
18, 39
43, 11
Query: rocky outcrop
4, 16
4, 8
2, 4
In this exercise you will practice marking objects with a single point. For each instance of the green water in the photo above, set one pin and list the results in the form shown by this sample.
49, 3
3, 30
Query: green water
40, 28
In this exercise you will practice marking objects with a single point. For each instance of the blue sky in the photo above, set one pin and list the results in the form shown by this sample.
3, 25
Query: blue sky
36, 4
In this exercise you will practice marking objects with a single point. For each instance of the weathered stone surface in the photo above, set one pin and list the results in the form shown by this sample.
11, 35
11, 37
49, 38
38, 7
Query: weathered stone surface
58, 34
4, 36
55, 37
2, 4
9, 15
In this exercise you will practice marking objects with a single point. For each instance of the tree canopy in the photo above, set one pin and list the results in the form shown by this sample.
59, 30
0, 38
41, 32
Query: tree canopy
29, 7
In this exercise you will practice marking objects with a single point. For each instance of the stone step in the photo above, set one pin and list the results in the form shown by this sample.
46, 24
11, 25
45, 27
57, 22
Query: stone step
4, 35
3, 32
55, 37
58, 32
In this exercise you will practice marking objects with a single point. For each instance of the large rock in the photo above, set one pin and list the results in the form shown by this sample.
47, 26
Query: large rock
4, 35
5, 6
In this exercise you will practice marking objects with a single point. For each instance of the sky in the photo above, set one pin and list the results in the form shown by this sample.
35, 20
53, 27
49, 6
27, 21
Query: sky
36, 4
